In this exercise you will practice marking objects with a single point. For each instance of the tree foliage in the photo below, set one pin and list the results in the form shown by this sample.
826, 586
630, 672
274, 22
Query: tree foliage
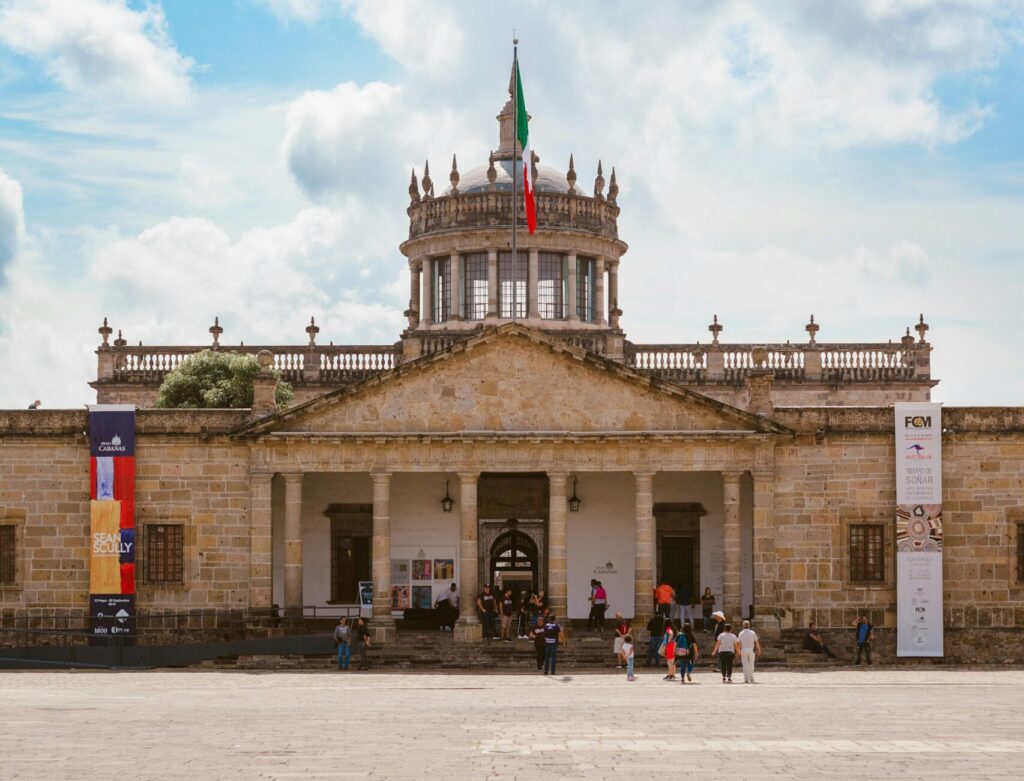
215, 380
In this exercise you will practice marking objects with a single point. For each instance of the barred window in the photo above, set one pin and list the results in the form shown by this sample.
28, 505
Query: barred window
585, 289
867, 552
7, 554
551, 286
1020, 552
165, 553
474, 289
507, 272
441, 278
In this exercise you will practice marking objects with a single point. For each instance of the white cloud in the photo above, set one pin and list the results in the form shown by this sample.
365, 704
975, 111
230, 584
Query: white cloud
100, 48
12, 221
205, 186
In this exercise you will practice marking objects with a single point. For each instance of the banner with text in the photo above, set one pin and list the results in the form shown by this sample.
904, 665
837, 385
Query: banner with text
919, 529
112, 517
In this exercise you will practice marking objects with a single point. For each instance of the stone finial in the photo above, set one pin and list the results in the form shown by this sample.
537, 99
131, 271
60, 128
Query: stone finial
812, 329
715, 328
454, 177
759, 355
264, 386
428, 184
105, 331
613, 188
120, 341
312, 329
492, 174
216, 330
599, 183
414, 189
570, 175
534, 159
907, 340
921, 328
265, 359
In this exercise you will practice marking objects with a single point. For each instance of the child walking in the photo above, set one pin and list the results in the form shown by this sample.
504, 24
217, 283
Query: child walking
627, 653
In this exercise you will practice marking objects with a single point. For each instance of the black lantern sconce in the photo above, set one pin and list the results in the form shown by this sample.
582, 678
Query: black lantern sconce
447, 503
574, 500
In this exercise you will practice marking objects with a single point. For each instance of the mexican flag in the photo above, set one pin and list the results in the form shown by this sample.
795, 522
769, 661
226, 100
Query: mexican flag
523, 136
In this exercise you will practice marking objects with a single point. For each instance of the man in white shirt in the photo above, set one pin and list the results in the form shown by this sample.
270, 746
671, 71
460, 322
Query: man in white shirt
750, 649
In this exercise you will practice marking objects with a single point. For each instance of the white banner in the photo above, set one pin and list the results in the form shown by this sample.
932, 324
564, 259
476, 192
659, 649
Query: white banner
918, 529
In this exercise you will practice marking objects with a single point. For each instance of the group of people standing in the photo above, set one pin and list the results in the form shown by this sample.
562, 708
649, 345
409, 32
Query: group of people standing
345, 635
517, 618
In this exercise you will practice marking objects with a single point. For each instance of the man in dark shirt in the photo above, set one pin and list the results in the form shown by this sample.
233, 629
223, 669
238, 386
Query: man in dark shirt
488, 608
507, 611
864, 630
362, 641
813, 641
552, 634
656, 626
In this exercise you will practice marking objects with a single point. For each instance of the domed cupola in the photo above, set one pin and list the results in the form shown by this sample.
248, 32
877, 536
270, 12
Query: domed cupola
564, 278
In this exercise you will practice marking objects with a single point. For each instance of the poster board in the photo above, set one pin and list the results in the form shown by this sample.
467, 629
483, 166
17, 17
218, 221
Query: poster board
419, 575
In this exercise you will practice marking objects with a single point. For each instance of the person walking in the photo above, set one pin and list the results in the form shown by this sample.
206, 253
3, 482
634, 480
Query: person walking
621, 630
343, 642
664, 594
750, 649
362, 641
707, 607
725, 650
865, 633
668, 649
682, 652
537, 635
487, 607
655, 626
552, 636
629, 655
507, 611
686, 672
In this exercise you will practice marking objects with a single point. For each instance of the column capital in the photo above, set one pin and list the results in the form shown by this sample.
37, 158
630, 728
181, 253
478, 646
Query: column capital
732, 477
644, 474
468, 477
381, 477
292, 477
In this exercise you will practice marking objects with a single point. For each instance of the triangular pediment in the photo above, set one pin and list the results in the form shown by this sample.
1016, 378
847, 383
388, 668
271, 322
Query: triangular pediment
512, 379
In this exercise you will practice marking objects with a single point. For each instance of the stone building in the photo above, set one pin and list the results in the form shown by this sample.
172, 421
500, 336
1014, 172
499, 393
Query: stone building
514, 434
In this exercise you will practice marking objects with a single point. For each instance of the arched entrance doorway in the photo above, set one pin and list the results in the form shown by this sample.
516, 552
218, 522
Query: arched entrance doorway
514, 560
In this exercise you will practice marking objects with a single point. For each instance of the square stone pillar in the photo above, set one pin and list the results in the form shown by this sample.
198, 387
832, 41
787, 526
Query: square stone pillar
558, 508
646, 544
454, 288
765, 559
532, 273
613, 294
599, 302
732, 558
293, 544
492, 283
382, 627
415, 310
427, 314
261, 542
571, 314
468, 629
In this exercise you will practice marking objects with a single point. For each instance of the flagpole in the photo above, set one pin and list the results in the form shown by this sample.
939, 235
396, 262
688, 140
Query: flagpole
515, 169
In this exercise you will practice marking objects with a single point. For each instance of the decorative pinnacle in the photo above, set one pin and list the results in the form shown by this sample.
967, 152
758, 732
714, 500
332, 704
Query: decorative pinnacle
414, 189
715, 328
921, 328
613, 188
599, 183
454, 178
428, 185
312, 329
907, 340
216, 330
120, 341
105, 331
812, 329
570, 175
492, 173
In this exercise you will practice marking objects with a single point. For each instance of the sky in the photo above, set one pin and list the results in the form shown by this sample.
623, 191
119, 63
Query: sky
165, 163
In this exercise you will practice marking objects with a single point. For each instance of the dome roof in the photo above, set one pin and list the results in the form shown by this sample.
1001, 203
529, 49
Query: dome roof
549, 180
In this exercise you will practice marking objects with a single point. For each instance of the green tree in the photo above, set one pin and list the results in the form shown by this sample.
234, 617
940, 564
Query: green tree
215, 380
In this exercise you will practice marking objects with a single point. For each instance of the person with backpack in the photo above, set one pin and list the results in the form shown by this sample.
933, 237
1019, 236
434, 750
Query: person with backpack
682, 652
668, 650
552, 635
693, 657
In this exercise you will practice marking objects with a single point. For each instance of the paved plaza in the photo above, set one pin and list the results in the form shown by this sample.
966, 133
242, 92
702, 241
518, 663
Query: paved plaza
919, 723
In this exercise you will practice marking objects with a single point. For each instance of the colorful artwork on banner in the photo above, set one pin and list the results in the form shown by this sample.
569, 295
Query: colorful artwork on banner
399, 570
422, 597
421, 569
399, 596
444, 569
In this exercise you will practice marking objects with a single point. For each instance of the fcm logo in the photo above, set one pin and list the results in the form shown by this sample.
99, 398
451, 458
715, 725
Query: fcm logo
917, 421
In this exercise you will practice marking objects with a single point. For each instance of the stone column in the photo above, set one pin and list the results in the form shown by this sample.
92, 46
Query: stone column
293, 544
426, 315
765, 559
646, 544
613, 294
731, 584
261, 572
492, 283
454, 291
532, 270
599, 302
415, 266
572, 314
382, 627
558, 584
468, 629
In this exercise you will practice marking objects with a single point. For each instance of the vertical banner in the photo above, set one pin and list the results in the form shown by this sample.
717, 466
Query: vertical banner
112, 519
919, 529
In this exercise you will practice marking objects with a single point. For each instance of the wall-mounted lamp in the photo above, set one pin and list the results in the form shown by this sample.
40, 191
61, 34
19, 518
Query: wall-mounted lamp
447, 503
574, 500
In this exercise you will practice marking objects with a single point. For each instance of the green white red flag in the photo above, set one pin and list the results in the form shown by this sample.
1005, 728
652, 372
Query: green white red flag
523, 136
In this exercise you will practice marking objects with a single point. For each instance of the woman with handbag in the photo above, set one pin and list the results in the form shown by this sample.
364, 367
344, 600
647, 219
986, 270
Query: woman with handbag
692, 656
668, 650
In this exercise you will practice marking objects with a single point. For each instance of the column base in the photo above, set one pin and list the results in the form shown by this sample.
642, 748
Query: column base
465, 632
382, 630
767, 626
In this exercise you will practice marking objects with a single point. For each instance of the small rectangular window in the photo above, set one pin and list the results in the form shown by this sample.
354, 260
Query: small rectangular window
550, 286
512, 284
867, 552
165, 553
474, 294
441, 278
585, 289
7, 554
1020, 552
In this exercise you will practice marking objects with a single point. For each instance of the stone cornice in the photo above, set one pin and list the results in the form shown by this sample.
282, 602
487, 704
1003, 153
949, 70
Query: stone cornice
482, 239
